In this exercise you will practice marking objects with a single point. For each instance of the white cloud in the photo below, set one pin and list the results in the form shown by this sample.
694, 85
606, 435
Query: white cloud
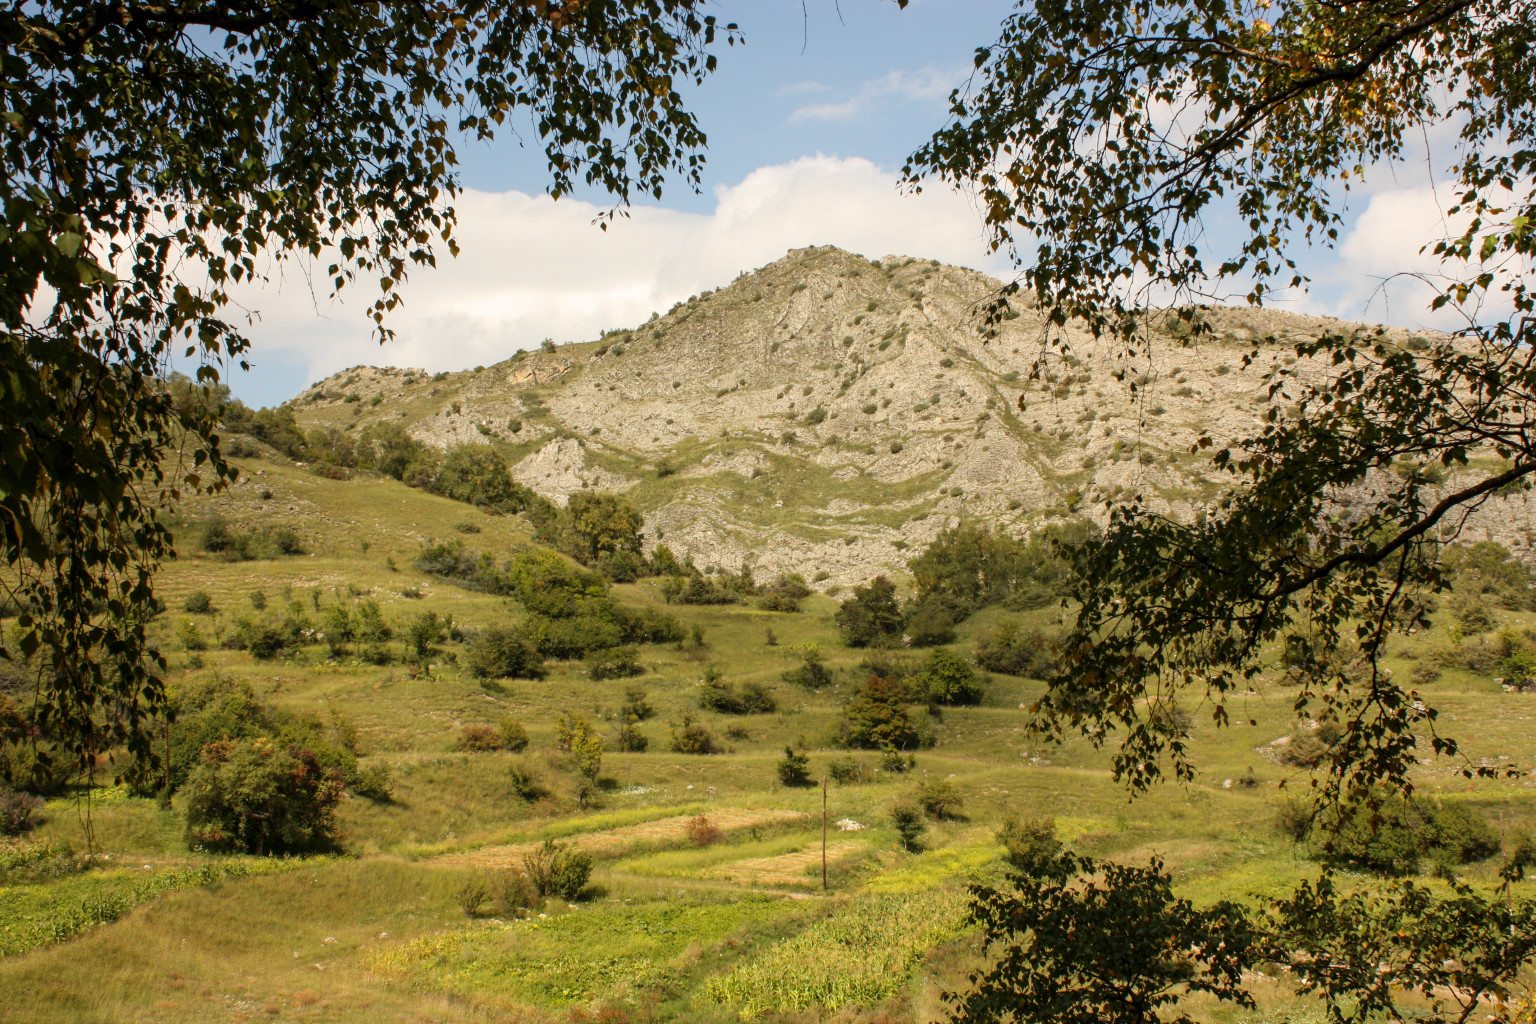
928, 84
1389, 272
531, 268
808, 85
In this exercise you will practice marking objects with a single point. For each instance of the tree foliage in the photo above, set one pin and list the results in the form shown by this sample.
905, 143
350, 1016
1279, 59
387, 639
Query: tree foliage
872, 616
1059, 962
1109, 131
159, 156
1113, 135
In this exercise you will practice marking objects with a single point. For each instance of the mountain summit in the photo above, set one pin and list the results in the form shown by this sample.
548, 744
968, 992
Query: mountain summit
827, 414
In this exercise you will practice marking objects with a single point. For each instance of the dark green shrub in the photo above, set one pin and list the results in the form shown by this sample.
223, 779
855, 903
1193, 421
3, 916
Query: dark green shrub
423, 632
949, 679
794, 769
751, 699
198, 603
263, 639
470, 569
785, 593
502, 652
1015, 652
287, 541
216, 537
693, 738
621, 566
876, 718
971, 567
569, 638
614, 663
524, 782
215, 710
477, 474
1489, 570
908, 822
811, 673
872, 616
696, 589
847, 771
513, 736
600, 523
1030, 843
375, 783
940, 800
637, 702
647, 625
551, 586
257, 796
1393, 835
557, 870
930, 624
1472, 613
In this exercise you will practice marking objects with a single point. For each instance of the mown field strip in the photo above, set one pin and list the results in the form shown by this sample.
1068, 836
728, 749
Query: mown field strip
612, 841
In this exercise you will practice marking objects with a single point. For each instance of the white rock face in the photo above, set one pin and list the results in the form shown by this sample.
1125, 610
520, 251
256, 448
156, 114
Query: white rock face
829, 415
559, 469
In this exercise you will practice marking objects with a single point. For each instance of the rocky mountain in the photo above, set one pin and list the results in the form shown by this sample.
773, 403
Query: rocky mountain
828, 414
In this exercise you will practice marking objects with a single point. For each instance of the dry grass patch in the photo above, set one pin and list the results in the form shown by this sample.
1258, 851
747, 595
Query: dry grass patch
790, 869
610, 842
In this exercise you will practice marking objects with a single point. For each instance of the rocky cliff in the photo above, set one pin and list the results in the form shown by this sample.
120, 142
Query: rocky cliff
828, 414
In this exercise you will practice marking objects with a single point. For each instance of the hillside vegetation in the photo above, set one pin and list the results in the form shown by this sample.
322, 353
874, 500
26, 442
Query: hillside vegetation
508, 755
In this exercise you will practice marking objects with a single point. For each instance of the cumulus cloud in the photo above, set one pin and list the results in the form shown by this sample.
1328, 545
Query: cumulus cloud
1386, 269
531, 268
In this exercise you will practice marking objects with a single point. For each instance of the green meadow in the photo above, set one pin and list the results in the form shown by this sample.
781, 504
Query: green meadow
706, 899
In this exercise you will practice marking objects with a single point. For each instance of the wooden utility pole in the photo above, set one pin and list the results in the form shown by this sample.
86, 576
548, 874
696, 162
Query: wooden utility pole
823, 833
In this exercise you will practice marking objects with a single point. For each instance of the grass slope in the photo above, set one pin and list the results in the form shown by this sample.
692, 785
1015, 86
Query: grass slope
674, 932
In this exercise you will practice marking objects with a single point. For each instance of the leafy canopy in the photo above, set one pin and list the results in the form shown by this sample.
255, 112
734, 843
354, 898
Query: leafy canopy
1112, 134
1104, 139
157, 155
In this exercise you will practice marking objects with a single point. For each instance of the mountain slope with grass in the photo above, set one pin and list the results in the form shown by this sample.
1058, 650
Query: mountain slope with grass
829, 414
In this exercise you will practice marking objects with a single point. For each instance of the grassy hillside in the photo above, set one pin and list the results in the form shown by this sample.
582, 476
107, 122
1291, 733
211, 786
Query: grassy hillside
672, 928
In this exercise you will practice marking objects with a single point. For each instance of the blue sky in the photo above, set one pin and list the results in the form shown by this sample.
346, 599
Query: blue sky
809, 123
856, 78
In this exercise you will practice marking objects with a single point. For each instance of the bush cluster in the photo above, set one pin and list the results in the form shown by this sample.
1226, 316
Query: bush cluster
690, 737
218, 538
1013, 651
557, 870
614, 663
502, 652
751, 699
876, 717
1393, 835
811, 673
257, 796
965, 568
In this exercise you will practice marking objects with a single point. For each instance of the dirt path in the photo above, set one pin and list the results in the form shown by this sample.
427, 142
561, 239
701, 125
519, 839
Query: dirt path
662, 831
787, 868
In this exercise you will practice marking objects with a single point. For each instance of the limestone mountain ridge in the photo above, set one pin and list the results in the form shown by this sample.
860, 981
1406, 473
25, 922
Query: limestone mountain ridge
829, 415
